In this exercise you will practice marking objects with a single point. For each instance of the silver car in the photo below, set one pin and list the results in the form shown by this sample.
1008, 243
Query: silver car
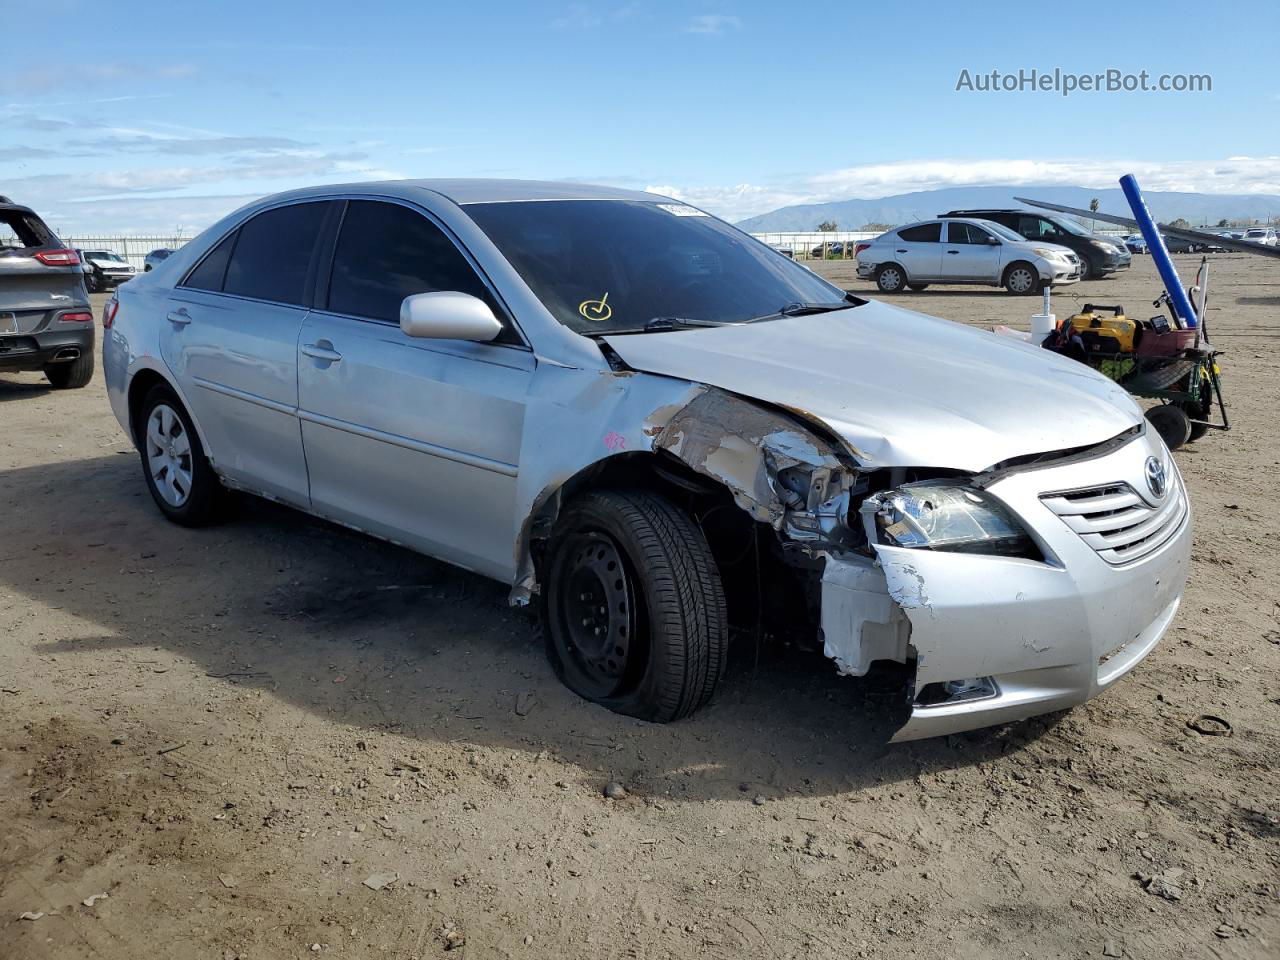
963, 250
659, 428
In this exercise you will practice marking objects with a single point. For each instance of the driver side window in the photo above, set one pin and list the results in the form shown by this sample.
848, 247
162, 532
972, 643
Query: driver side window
386, 252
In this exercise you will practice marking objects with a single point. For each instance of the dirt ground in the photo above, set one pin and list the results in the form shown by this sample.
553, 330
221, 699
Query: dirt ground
236, 734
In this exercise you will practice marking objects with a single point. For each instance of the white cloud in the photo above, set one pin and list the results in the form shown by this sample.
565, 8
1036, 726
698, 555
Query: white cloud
713, 23
869, 181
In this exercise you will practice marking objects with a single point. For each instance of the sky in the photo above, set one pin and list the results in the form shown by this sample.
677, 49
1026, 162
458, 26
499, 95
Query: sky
155, 117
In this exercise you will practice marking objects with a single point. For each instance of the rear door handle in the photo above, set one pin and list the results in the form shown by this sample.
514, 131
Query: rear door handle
953, 251
901, 250
321, 350
179, 317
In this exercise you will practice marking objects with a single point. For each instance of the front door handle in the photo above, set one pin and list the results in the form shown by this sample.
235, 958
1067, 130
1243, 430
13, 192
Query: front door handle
179, 317
321, 350
901, 250
953, 251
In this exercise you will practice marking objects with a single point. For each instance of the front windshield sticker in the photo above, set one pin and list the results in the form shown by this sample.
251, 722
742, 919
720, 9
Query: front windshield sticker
597, 311
681, 210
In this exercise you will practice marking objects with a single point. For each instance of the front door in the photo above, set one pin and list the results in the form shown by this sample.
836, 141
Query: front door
417, 441
230, 337
970, 253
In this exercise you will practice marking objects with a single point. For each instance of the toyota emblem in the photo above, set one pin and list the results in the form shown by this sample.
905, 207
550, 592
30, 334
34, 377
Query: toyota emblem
1156, 479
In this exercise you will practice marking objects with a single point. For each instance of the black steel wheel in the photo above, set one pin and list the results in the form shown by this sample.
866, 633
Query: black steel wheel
633, 609
599, 611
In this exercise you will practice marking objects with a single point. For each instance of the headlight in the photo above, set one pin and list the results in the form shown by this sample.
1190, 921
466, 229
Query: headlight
1101, 244
939, 515
1047, 253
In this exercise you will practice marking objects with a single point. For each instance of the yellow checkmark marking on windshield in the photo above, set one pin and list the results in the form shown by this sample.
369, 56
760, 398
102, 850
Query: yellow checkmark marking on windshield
597, 311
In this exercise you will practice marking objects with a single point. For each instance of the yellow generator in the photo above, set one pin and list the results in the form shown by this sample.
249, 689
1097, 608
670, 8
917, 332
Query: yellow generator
1103, 334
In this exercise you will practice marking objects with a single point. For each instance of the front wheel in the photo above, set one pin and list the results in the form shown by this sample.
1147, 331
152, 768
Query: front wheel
633, 609
917, 286
1022, 279
1086, 269
178, 474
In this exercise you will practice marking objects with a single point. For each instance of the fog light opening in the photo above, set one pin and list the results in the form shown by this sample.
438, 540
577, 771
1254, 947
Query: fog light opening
951, 692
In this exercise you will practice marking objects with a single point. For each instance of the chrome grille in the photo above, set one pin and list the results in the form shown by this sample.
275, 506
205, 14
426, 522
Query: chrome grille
1117, 522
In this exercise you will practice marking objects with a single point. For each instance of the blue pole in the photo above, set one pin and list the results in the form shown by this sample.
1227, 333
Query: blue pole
1159, 252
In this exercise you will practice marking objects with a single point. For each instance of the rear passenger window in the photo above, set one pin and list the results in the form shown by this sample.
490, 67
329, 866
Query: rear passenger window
924, 233
213, 268
387, 252
273, 253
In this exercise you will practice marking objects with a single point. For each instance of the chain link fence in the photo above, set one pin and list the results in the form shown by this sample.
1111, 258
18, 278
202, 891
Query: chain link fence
132, 249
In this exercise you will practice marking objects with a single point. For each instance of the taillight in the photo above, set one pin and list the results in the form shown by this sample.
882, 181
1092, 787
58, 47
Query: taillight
859, 248
78, 317
109, 313
58, 258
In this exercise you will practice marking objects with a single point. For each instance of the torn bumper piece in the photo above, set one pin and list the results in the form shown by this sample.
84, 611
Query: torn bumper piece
996, 639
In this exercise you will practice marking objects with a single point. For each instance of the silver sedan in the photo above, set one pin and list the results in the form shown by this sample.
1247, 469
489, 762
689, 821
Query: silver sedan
658, 428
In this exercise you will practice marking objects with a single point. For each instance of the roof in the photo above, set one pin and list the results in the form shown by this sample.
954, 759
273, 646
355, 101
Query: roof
464, 191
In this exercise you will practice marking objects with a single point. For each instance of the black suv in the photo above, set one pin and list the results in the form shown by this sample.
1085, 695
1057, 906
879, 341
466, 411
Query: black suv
46, 322
1099, 256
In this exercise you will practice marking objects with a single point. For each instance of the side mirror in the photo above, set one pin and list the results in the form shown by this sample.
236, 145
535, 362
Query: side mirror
993, 242
448, 315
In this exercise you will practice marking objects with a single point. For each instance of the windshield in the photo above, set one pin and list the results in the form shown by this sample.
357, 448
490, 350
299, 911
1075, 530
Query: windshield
101, 255
606, 266
1069, 225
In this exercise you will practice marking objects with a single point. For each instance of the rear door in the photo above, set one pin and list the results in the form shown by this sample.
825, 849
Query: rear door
230, 336
970, 253
414, 440
919, 250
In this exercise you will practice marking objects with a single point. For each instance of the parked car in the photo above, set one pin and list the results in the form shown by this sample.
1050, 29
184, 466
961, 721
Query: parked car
104, 270
963, 251
831, 248
1099, 255
635, 414
46, 322
155, 258
1135, 243
782, 248
1263, 235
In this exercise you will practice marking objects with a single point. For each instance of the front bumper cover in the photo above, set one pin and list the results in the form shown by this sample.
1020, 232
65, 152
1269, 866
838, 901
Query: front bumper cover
1049, 635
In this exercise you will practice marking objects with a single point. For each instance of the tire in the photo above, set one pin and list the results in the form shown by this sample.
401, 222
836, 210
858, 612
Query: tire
633, 609
91, 283
1022, 279
917, 286
891, 278
1171, 423
178, 474
146, 268
73, 375
1086, 269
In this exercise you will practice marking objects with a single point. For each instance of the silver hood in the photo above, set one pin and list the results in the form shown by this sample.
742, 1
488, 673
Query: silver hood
901, 388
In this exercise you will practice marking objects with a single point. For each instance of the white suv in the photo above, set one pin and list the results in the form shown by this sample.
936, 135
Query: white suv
1264, 235
962, 250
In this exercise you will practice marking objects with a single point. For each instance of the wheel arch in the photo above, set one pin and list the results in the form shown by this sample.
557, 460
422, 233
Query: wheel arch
141, 383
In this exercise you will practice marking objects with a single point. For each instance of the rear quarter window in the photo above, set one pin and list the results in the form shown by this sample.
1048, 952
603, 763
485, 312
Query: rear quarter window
19, 230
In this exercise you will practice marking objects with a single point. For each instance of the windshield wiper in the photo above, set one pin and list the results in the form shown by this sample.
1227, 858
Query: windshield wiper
804, 309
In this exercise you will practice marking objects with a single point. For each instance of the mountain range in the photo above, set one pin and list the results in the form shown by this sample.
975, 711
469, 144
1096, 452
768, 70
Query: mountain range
1196, 208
